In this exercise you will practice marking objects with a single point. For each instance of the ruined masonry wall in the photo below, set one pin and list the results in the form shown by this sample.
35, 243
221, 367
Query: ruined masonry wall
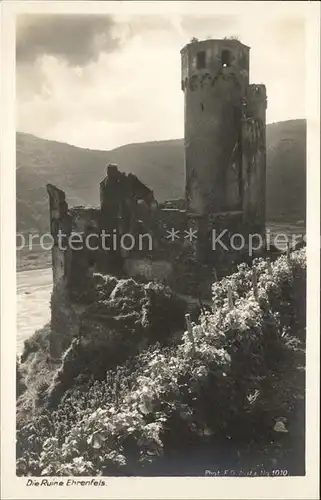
253, 173
254, 159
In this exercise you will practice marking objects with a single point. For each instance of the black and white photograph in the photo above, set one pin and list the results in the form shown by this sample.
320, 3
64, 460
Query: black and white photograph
161, 162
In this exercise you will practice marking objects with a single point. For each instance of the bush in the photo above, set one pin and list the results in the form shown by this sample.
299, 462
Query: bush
20, 384
38, 342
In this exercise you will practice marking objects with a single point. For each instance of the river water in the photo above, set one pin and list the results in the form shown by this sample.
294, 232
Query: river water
33, 302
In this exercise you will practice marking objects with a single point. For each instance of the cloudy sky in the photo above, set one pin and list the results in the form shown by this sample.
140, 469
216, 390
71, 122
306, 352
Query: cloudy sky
104, 81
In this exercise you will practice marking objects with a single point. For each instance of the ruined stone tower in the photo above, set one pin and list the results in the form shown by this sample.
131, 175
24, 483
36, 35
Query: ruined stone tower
224, 134
225, 164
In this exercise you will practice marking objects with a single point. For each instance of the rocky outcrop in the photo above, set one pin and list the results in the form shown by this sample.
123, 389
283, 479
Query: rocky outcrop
124, 317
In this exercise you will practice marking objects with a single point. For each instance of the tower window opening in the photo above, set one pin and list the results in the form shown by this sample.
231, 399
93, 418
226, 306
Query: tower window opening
226, 58
201, 60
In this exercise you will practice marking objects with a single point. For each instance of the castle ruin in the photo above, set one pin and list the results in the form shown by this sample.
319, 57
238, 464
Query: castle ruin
225, 166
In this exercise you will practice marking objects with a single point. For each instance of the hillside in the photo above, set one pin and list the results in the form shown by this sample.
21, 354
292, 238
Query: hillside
286, 171
158, 164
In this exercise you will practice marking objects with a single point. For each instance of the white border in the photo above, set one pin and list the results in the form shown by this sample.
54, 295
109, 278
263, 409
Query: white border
207, 487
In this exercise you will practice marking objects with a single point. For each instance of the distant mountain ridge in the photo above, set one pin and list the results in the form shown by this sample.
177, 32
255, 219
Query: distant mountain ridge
159, 164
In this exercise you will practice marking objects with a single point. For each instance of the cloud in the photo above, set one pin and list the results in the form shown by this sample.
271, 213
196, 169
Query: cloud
131, 96
130, 91
78, 39
209, 26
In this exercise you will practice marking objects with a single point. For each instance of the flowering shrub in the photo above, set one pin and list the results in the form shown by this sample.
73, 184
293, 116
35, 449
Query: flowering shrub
243, 371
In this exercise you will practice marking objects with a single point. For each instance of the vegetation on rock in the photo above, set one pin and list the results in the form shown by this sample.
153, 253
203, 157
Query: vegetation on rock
245, 375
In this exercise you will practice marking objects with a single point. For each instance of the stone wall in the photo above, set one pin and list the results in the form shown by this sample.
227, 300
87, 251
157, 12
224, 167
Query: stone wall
60, 226
253, 174
254, 158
